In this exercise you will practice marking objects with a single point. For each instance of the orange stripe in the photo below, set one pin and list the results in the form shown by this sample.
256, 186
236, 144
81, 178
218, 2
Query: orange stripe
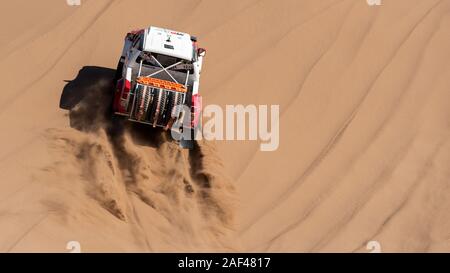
162, 84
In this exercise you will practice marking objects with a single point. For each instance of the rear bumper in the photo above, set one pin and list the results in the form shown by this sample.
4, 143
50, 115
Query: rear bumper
127, 116
130, 119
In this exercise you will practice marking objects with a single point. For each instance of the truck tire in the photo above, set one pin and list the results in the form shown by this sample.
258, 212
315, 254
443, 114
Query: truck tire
162, 107
118, 74
155, 109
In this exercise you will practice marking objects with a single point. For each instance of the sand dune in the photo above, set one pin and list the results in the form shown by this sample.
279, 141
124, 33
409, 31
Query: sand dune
364, 130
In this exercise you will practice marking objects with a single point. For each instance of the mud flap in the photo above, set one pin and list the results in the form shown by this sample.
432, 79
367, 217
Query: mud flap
196, 134
187, 144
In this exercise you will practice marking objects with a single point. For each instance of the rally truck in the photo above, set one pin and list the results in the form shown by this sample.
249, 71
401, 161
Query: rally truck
157, 80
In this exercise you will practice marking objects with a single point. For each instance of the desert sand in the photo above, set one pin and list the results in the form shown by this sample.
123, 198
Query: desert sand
364, 154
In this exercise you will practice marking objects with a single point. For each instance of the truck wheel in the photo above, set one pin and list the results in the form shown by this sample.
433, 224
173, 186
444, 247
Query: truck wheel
118, 74
116, 125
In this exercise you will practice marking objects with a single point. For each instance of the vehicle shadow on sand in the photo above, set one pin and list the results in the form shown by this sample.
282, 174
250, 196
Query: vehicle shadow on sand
178, 186
88, 98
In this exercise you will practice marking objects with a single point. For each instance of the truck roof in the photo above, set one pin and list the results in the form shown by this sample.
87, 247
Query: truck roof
168, 42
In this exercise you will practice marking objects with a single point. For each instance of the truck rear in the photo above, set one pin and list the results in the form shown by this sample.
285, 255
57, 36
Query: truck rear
158, 79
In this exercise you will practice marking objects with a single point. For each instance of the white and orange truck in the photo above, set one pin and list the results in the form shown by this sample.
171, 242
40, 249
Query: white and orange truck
158, 75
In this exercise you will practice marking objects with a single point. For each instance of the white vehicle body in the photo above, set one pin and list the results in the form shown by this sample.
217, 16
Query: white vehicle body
167, 42
158, 70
